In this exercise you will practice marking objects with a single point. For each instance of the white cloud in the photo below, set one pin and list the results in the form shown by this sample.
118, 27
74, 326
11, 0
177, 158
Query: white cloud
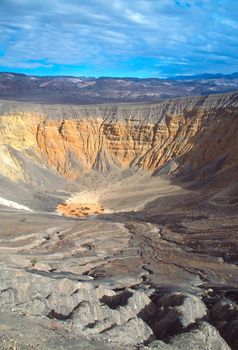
100, 32
135, 17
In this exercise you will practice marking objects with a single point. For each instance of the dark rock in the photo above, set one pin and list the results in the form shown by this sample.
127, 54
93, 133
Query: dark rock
176, 312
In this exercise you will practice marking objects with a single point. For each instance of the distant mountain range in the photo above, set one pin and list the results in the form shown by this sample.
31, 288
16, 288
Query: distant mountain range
206, 76
86, 90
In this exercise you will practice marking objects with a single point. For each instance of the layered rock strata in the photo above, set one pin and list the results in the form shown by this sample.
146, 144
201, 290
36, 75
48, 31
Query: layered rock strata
186, 135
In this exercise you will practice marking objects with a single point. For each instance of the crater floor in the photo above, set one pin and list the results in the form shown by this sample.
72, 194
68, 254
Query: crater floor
152, 237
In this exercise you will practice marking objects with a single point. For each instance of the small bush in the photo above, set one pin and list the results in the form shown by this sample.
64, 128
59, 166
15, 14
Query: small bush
33, 261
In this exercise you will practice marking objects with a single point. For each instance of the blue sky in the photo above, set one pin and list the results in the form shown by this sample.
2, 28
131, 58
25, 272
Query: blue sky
141, 38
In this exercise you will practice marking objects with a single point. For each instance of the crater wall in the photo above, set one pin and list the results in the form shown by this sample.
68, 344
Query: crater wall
184, 135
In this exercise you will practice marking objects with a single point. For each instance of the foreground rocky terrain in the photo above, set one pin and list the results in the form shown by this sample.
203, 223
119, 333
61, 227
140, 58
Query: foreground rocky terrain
119, 225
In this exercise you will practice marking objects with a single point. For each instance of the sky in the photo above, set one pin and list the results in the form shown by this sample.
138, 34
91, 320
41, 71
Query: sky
120, 38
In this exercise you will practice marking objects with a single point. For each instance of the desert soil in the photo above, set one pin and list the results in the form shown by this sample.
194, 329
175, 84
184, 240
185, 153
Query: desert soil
129, 232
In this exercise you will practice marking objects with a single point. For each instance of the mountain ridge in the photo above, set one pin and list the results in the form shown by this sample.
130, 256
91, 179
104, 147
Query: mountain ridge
172, 77
90, 90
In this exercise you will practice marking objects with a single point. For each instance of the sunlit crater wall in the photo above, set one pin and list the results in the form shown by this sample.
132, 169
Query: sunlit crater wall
74, 140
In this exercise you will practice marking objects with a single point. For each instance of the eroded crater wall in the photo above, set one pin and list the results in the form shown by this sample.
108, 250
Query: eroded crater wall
73, 140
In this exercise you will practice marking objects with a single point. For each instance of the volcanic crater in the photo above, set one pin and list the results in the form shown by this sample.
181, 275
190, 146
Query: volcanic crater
154, 266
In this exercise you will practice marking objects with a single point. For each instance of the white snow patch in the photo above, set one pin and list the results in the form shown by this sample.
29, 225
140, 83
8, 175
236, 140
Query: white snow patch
12, 204
9, 75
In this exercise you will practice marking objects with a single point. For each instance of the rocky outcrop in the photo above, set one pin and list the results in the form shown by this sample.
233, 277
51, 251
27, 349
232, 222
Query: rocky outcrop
224, 315
203, 337
176, 313
121, 318
84, 305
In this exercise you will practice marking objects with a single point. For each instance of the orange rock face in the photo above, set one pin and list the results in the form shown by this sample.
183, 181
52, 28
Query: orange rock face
70, 146
74, 146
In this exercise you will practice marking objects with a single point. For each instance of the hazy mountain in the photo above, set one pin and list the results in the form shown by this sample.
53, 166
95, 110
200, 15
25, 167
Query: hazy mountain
87, 90
208, 76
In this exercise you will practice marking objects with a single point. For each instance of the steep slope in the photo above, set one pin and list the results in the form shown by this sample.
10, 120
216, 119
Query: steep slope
187, 135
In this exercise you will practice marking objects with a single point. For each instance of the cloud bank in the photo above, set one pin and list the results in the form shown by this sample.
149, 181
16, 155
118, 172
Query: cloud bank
141, 38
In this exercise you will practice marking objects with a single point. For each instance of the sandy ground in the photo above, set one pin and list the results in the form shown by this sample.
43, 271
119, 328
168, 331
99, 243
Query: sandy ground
80, 209
123, 194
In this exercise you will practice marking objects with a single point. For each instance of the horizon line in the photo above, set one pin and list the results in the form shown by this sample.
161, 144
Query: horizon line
121, 77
